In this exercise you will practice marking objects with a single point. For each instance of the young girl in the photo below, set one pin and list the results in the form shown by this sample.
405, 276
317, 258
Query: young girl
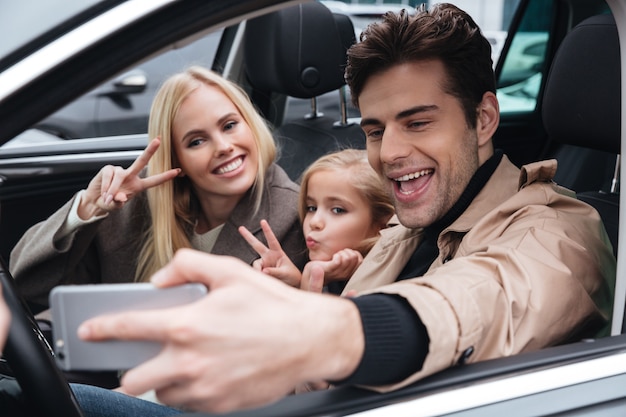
210, 171
343, 206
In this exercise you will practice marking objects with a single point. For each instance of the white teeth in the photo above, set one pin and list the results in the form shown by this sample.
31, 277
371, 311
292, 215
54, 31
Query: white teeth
414, 175
230, 167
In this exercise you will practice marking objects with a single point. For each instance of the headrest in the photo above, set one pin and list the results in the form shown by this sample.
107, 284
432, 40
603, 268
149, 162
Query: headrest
582, 100
299, 51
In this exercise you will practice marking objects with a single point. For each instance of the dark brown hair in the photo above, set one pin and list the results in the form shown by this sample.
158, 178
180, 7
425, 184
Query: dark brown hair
444, 33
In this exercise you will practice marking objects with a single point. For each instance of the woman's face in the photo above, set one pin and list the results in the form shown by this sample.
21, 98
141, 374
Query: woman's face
337, 216
214, 146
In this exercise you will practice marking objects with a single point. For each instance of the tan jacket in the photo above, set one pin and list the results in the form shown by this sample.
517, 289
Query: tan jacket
524, 267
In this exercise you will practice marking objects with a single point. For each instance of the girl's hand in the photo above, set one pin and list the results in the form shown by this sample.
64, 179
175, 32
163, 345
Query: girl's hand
313, 277
274, 261
113, 186
340, 268
342, 265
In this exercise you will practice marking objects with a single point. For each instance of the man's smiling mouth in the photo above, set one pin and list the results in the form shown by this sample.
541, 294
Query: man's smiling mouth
409, 183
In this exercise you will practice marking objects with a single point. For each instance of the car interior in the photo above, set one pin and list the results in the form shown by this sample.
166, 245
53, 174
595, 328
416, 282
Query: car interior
580, 117
304, 66
583, 110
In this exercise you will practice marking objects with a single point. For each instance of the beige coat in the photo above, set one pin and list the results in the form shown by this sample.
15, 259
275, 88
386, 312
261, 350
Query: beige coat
524, 267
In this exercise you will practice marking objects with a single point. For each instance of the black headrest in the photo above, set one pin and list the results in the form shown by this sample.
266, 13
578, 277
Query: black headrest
299, 51
582, 100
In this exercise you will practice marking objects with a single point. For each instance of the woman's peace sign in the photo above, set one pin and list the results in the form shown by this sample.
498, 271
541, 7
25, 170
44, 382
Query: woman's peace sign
113, 186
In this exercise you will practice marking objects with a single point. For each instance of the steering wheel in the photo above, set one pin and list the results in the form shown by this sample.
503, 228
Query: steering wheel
32, 359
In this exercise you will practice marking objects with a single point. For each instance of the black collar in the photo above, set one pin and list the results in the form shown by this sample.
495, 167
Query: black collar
476, 183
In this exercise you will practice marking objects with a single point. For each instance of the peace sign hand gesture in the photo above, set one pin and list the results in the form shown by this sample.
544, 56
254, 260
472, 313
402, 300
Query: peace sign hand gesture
274, 261
113, 186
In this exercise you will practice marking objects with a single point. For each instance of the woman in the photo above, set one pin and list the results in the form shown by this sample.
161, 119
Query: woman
211, 170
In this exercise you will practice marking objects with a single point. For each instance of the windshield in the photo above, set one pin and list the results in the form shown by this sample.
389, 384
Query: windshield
24, 21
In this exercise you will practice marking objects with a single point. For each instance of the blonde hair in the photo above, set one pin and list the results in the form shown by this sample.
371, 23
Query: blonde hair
362, 177
173, 205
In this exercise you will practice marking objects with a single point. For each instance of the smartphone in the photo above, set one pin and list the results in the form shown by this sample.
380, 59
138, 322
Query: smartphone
71, 305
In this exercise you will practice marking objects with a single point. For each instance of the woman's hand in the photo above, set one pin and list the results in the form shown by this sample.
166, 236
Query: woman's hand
113, 186
274, 261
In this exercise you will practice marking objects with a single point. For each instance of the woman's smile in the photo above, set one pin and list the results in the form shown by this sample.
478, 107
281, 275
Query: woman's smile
230, 166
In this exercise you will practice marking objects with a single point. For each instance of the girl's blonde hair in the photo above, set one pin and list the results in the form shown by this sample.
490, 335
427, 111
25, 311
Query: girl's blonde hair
359, 173
173, 205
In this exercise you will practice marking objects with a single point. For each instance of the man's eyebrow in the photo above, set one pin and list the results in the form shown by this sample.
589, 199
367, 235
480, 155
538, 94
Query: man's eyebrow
369, 121
404, 113
415, 110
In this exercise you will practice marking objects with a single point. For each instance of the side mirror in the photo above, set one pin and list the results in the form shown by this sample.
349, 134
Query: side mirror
132, 82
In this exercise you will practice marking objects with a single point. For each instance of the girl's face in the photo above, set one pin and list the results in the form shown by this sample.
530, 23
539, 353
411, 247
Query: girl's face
214, 146
337, 216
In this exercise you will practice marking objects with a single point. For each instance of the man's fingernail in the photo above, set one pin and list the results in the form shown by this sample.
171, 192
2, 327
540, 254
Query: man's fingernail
157, 278
83, 332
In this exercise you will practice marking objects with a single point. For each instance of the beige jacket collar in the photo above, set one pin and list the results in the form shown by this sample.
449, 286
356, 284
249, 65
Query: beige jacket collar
387, 258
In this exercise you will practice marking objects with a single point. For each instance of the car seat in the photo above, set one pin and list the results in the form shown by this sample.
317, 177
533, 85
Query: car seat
301, 52
582, 109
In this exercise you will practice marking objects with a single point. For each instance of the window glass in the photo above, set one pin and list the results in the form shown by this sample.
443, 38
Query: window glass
15, 32
522, 69
121, 106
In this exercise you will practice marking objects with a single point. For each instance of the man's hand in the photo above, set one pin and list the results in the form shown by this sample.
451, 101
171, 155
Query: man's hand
247, 343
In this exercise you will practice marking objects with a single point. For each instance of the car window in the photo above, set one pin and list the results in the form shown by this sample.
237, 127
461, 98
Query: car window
522, 69
50, 14
524, 64
121, 106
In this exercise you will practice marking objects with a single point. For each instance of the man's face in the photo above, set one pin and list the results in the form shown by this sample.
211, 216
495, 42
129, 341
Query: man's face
418, 139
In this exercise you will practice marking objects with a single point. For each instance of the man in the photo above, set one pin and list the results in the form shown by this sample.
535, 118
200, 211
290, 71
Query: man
488, 261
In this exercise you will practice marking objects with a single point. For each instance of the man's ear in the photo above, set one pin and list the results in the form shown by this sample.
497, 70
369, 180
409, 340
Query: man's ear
488, 118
